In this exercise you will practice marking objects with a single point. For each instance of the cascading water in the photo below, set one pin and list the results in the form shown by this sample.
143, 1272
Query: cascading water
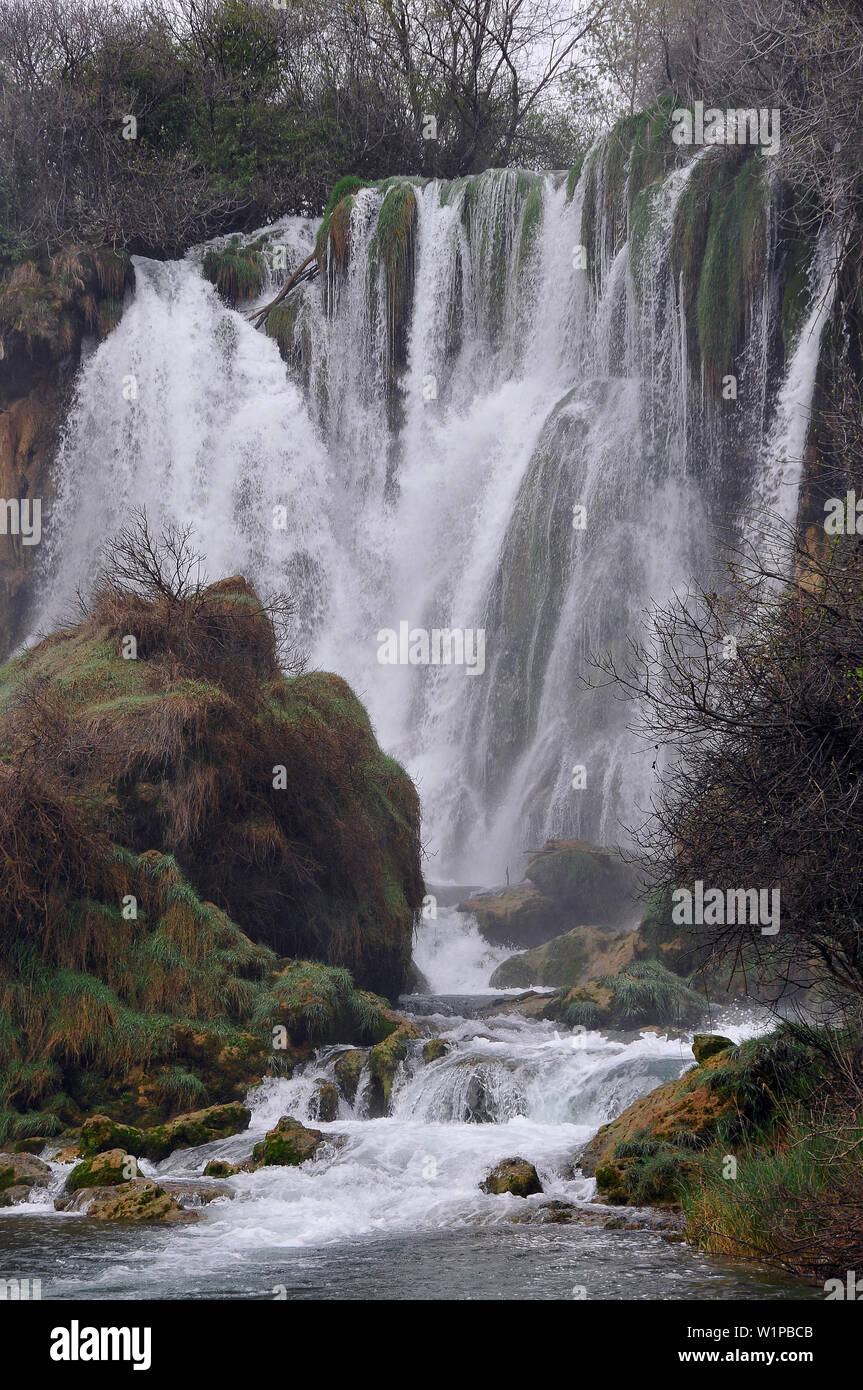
505, 426
392, 1207
540, 464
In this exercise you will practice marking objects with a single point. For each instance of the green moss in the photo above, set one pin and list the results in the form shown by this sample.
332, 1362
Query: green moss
795, 294
718, 250
572, 178
392, 248
288, 1145
531, 224
237, 271
48, 303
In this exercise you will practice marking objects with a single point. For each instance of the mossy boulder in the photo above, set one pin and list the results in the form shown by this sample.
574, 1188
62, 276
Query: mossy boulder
706, 1045
568, 960
198, 1127
641, 993
218, 1168
348, 1068
100, 1133
514, 1175
103, 1170
434, 1049
29, 1146
19, 1173
141, 1201
519, 916
384, 1061
591, 883
287, 1145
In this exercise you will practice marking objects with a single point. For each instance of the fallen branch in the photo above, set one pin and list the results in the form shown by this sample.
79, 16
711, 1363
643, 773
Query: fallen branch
306, 271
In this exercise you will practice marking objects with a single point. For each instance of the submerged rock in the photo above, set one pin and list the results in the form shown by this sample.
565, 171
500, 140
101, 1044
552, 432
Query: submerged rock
19, 1173
192, 1193
515, 1175
289, 1144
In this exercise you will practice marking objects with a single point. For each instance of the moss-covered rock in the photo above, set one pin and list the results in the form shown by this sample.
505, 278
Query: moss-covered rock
288, 1144
154, 1001
19, 1173
519, 916
384, 1061
657, 1149
218, 1168
592, 884
568, 960
198, 1127
237, 269
434, 1049
141, 1201
706, 1045
640, 993
103, 1170
513, 1175
348, 1068
99, 1133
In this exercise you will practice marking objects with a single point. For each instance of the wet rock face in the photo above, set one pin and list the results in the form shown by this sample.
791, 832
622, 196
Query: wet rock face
326, 1103
288, 1145
19, 1174
348, 1069
515, 1175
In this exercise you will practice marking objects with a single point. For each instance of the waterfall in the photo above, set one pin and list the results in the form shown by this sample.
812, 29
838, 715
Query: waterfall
505, 440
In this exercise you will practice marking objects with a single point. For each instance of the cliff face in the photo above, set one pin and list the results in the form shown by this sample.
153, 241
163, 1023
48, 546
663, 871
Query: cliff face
174, 820
47, 308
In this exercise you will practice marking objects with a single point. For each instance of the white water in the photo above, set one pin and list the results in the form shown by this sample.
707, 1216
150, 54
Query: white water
382, 1191
548, 393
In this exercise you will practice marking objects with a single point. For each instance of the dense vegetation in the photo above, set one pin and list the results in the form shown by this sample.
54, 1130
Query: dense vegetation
170, 821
